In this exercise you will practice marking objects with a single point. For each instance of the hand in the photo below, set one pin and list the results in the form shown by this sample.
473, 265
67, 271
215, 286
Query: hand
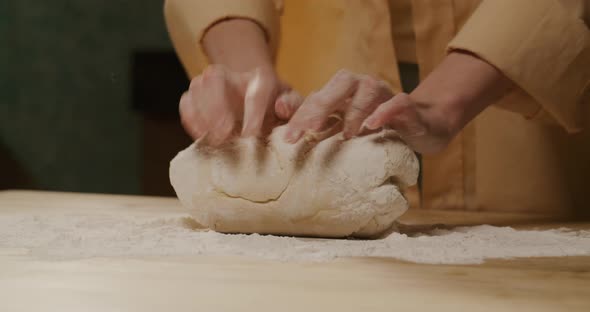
366, 103
352, 96
427, 119
423, 128
219, 100
456, 91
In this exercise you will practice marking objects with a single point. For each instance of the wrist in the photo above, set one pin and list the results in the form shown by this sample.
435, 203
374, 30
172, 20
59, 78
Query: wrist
439, 108
239, 44
457, 90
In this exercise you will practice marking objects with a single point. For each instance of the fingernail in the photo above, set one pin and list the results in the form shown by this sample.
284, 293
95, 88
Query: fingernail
292, 136
245, 130
280, 108
370, 124
347, 133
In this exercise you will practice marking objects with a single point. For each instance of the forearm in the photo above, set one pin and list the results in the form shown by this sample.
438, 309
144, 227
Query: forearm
549, 64
239, 44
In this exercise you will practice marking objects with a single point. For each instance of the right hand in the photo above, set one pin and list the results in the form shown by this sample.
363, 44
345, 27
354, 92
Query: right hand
220, 100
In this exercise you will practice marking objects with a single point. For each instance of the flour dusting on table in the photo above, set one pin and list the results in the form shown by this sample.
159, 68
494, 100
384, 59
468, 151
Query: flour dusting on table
81, 236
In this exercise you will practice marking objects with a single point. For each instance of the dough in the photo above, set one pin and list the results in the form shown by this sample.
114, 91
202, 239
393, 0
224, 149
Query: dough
334, 188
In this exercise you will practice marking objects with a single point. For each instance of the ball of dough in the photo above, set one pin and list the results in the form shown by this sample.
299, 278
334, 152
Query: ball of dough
334, 188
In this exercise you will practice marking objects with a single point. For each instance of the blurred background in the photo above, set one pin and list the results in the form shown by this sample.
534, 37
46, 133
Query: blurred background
83, 85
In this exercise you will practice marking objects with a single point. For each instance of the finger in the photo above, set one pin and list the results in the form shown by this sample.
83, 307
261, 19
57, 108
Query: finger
317, 107
387, 111
333, 126
196, 82
214, 108
400, 114
221, 131
189, 118
287, 104
370, 93
257, 99
188, 115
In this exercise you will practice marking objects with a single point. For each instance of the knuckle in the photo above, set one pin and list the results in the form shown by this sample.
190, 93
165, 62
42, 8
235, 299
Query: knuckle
369, 82
195, 82
385, 93
343, 76
373, 89
356, 113
184, 106
371, 86
317, 100
213, 72
292, 101
188, 117
351, 118
384, 86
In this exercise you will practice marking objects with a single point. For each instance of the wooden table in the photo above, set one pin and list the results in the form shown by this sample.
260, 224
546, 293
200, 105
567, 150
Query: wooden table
237, 284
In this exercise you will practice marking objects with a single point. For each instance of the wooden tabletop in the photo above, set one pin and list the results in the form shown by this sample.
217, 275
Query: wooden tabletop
236, 284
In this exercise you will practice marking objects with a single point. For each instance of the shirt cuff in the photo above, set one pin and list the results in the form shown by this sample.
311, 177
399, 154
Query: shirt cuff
543, 48
188, 21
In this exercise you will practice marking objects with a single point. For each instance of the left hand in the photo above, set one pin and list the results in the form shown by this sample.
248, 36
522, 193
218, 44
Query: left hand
456, 91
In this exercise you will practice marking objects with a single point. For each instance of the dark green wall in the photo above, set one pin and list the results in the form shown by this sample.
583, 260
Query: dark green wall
65, 104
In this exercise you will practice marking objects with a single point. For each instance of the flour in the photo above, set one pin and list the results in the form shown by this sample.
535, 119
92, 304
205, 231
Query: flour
81, 236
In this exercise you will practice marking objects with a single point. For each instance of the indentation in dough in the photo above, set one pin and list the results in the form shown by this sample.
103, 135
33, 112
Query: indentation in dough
331, 188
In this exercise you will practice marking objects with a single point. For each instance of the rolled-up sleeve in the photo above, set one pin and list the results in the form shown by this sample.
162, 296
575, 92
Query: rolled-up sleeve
542, 47
188, 21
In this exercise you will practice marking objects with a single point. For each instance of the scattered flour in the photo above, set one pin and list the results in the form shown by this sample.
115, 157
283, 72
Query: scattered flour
79, 236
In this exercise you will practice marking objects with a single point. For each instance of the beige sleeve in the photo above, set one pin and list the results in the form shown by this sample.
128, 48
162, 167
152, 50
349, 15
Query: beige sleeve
188, 21
543, 46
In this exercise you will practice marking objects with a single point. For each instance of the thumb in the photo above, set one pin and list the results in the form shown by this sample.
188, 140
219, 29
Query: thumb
389, 111
399, 114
